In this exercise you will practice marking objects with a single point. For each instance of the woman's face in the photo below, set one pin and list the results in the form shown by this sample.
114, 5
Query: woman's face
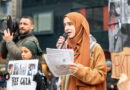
69, 27
26, 53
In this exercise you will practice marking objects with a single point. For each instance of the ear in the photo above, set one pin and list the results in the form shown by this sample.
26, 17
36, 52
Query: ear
32, 26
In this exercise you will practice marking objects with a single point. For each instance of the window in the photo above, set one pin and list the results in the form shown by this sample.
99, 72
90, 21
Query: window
95, 18
5, 9
44, 22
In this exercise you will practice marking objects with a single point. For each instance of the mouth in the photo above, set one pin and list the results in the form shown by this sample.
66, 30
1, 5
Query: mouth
69, 33
21, 29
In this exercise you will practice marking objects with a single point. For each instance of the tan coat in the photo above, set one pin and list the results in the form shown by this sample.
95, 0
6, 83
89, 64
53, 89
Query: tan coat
93, 77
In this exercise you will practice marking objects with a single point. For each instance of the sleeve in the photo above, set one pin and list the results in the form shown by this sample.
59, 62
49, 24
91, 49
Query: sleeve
63, 82
96, 73
13, 49
4, 50
114, 82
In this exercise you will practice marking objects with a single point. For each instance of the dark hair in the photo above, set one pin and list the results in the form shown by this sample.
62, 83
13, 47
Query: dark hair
10, 65
30, 18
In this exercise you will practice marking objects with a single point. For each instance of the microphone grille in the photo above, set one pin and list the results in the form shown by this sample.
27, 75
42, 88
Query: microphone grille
65, 35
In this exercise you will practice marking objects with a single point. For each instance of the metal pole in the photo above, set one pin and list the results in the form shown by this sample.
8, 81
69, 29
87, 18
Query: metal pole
0, 6
0, 3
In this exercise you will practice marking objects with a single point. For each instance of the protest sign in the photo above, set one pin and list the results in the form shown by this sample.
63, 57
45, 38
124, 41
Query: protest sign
121, 63
21, 74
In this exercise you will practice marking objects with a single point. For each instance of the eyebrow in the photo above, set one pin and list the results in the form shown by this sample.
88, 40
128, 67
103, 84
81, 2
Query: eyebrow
67, 22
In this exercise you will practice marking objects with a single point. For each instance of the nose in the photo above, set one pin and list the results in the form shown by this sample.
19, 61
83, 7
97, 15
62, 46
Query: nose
22, 54
20, 25
66, 28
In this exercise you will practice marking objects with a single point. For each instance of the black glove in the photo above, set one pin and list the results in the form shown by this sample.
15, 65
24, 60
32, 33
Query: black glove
4, 50
41, 81
7, 76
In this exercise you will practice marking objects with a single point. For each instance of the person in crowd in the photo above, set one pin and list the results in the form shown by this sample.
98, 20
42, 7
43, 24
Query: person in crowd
123, 83
10, 46
10, 69
111, 82
10, 49
88, 71
30, 50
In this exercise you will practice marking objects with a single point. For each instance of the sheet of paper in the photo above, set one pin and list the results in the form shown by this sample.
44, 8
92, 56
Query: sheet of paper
52, 51
58, 60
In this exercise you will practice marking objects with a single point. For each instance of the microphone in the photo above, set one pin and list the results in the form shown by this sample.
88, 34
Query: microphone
65, 35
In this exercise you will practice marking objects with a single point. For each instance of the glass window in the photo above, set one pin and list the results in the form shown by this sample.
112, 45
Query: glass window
44, 22
5, 8
95, 18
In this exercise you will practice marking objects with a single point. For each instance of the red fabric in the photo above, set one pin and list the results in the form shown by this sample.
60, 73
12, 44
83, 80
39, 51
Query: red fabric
105, 18
0, 77
0, 56
83, 12
112, 22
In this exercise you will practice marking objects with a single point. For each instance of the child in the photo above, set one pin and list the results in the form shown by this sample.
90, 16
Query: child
31, 51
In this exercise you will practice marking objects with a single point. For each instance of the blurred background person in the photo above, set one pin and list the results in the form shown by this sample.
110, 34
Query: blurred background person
10, 49
10, 46
111, 82
30, 50
10, 69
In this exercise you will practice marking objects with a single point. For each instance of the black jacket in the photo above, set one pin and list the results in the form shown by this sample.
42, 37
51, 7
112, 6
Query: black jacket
111, 81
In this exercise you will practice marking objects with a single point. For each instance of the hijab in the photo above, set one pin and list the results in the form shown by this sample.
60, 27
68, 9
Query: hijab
80, 42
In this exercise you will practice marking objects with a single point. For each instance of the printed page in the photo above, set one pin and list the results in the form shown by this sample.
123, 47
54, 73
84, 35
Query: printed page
58, 60
52, 51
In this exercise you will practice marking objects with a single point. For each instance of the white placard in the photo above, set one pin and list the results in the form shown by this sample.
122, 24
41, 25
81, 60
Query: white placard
21, 74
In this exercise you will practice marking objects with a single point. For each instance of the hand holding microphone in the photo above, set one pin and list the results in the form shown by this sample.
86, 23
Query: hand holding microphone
61, 42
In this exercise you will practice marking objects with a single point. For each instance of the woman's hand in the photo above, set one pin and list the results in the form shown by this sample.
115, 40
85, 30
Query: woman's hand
60, 41
73, 68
